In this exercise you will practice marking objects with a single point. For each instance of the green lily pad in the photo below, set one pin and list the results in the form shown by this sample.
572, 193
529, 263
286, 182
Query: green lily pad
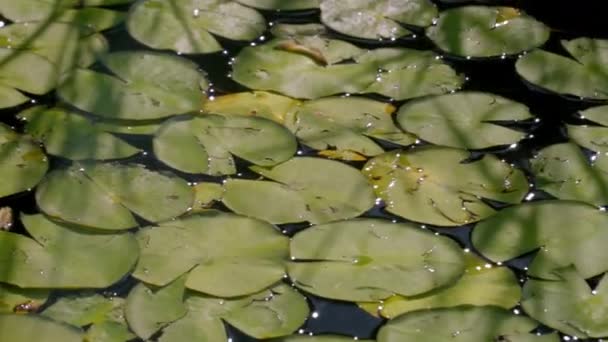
271, 313
309, 67
16, 299
102, 196
298, 30
189, 26
69, 135
319, 338
463, 323
109, 332
484, 31
281, 5
433, 185
371, 259
547, 226
378, 19
34, 328
207, 142
592, 137
256, 103
22, 162
61, 256
481, 284
205, 194
61, 11
129, 126
144, 86
584, 75
566, 173
448, 120
568, 304
203, 246
302, 189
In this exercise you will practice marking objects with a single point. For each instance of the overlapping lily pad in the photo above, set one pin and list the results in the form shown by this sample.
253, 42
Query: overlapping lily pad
464, 323
204, 246
593, 137
436, 185
189, 26
19, 300
481, 284
61, 256
281, 5
105, 196
484, 31
568, 304
34, 328
22, 162
256, 103
370, 259
563, 233
302, 189
464, 120
312, 66
69, 135
206, 143
584, 75
564, 171
143, 86
377, 19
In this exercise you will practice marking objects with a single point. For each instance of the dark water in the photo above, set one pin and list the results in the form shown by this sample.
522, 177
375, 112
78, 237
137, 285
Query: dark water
568, 19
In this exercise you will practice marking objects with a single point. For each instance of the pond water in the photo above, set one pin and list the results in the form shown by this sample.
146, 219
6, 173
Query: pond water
489, 75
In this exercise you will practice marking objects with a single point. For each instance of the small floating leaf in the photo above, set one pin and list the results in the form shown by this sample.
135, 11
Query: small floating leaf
143, 86
86, 308
103, 196
281, 5
564, 233
15, 299
568, 304
594, 138
484, 31
585, 75
448, 120
435, 185
370, 260
207, 142
203, 246
33, 328
379, 19
61, 256
566, 173
481, 284
22, 162
189, 26
69, 135
304, 189
463, 323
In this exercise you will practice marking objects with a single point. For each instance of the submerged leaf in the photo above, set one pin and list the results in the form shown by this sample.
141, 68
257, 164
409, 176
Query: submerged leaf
464, 120
370, 260
435, 185
564, 233
33, 328
484, 31
189, 26
303, 189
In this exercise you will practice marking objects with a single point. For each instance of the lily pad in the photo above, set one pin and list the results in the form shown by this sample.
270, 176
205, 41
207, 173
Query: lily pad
22, 162
281, 5
481, 284
547, 226
203, 246
102, 196
435, 185
377, 19
61, 256
584, 75
593, 137
69, 135
371, 259
310, 67
463, 323
565, 172
302, 189
256, 103
189, 26
15, 299
448, 120
34, 328
207, 142
568, 304
143, 86
485, 31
